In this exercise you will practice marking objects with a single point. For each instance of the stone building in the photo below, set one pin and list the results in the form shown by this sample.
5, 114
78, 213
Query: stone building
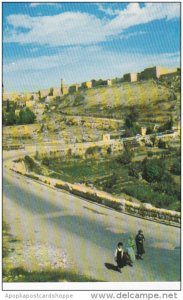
143, 131
130, 77
74, 88
44, 92
155, 72
109, 82
87, 84
56, 92
64, 88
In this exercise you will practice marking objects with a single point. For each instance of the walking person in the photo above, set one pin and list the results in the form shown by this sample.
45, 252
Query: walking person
140, 244
118, 256
131, 248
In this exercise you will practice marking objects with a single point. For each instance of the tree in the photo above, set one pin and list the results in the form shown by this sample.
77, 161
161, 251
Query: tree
51, 92
111, 181
10, 117
167, 126
39, 95
176, 167
149, 130
8, 106
109, 150
152, 170
126, 157
162, 144
153, 139
26, 116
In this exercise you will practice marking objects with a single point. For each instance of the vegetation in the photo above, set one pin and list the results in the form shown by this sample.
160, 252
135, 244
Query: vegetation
176, 167
26, 116
126, 157
50, 92
57, 275
150, 180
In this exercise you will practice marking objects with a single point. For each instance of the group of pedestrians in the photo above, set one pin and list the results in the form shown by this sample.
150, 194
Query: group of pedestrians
124, 257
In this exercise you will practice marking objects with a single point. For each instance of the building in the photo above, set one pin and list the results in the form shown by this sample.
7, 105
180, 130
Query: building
155, 72
171, 75
44, 92
21, 103
87, 84
74, 88
109, 82
130, 77
143, 131
17, 112
49, 99
56, 92
106, 138
64, 88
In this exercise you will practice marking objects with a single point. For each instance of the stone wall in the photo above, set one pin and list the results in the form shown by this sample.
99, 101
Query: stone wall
145, 211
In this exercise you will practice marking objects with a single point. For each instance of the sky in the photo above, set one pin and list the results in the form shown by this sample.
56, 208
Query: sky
44, 42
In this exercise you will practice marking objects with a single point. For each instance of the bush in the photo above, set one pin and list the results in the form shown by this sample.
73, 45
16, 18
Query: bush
46, 161
126, 157
146, 195
93, 151
29, 162
162, 144
152, 170
150, 153
110, 182
26, 116
133, 171
32, 176
176, 167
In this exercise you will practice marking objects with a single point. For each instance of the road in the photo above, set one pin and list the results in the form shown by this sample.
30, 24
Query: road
48, 221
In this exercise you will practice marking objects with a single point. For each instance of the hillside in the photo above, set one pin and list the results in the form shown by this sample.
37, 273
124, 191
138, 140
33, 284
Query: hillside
155, 101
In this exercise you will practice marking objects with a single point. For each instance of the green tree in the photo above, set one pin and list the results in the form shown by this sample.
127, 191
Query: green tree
167, 126
162, 144
153, 139
176, 167
8, 106
10, 118
126, 157
26, 116
152, 170
51, 92
39, 95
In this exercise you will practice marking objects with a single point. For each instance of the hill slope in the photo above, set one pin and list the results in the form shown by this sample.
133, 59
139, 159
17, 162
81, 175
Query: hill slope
155, 101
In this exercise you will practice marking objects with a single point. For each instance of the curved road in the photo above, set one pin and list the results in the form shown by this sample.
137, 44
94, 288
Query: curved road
49, 221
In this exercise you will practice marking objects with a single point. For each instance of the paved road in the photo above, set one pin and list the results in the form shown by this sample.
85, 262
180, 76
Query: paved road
87, 233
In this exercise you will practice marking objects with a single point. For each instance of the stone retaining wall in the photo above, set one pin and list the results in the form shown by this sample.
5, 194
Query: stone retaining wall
146, 211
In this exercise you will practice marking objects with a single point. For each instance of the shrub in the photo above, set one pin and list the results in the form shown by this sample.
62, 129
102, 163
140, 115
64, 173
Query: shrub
26, 116
111, 181
162, 144
150, 153
176, 167
29, 162
126, 157
146, 195
152, 170
46, 161
32, 176
93, 151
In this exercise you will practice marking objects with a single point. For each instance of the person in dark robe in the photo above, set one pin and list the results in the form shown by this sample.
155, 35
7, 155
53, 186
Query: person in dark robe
140, 244
118, 256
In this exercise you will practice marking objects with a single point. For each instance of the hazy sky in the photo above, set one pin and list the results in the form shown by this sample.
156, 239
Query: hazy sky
43, 43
